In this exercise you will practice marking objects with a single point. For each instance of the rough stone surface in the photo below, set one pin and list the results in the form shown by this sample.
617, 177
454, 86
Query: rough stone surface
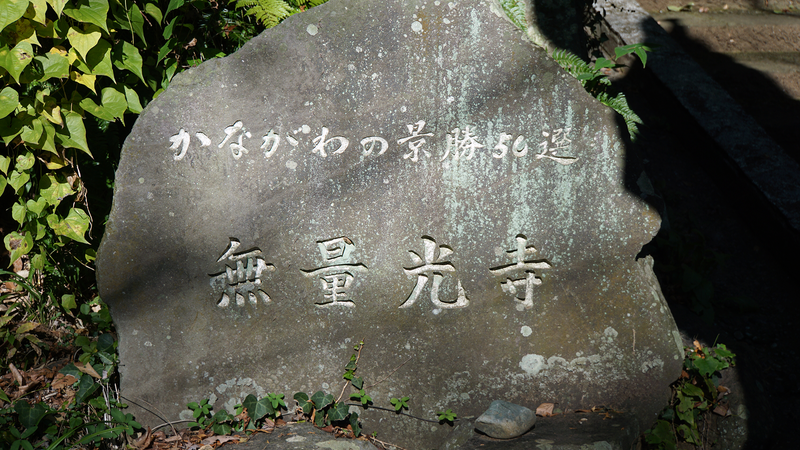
250, 246
504, 420
573, 431
299, 436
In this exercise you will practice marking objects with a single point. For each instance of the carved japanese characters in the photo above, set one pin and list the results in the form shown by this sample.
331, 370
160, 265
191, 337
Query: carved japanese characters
410, 173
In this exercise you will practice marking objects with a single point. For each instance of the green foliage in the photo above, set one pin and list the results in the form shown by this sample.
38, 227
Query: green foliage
593, 80
74, 75
597, 83
273, 12
446, 416
695, 395
399, 403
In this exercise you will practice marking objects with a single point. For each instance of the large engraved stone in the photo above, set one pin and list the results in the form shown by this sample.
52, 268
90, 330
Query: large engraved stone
410, 173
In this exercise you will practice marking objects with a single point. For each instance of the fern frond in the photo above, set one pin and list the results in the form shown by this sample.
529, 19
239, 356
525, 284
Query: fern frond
268, 12
515, 11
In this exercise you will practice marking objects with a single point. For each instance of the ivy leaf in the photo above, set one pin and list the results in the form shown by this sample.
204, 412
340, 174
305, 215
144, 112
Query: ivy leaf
73, 226
339, 412
16, 59
134, 105
9, 99
54, 64
304, 402
53, 188
17, 245
83, 41
77, 133
86, 387
30, 416
11, 11
354, 424
126, 56
257, 409
137, 22
88, 11
47, 141
18, 179
321, 400
3, 184
58, 5
98, 59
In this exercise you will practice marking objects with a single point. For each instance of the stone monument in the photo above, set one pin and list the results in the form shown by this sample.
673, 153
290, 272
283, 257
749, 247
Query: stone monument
410, 173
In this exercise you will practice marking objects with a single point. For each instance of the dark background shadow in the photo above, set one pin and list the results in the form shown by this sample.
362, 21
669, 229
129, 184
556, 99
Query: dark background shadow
716, 224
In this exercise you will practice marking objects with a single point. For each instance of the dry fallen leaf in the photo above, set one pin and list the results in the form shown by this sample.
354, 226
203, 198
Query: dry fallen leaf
87, 369
61, 381
545, 409
722, 410
222, 439
144, 440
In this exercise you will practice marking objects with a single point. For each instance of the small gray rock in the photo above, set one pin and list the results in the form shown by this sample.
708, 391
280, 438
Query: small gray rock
504, 420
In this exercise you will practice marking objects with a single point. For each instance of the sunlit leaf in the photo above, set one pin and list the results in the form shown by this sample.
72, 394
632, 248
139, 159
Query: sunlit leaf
17, 245
89, 11
40, 11
37, 206
32, 133
18, 179
5, 161
58, 5
25, 161
53, 188
77, 133
9, 99
84, 79
16, 59
74, 226
18, 212
155, 13
11, 11
54, 64
3, 184
96, 110
84, 40
99, 59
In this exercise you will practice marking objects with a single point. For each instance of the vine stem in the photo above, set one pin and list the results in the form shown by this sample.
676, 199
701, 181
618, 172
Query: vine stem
358, 356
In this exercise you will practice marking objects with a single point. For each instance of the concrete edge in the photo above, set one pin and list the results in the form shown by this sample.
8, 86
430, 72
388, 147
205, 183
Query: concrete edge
756, 156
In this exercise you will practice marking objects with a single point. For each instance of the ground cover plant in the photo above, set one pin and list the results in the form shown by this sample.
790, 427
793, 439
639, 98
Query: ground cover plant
75, 74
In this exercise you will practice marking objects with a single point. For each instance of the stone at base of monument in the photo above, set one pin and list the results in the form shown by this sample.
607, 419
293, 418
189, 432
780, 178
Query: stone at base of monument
571, 431
299, 436
504, 420
411, 173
